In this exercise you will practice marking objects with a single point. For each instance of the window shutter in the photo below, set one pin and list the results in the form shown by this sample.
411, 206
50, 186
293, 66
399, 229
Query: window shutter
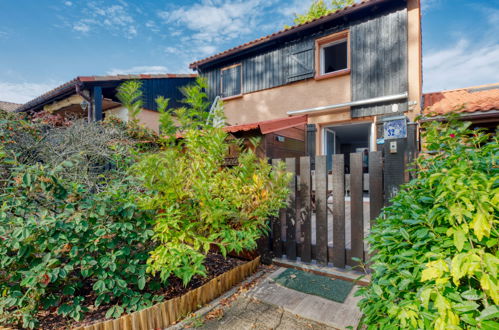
231, 81
300, 63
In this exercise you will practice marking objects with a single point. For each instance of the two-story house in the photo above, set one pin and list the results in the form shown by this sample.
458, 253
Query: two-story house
350, 72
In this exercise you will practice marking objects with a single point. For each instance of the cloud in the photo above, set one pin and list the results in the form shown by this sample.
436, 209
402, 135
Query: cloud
205, 27
215, 21
68, 3
114, 18
154, 69
469, 61
24, 92
464, 64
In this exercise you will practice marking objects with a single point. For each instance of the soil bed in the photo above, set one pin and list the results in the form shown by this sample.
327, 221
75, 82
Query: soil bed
215, 265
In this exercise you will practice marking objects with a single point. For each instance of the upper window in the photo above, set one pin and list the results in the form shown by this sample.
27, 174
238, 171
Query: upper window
231, 81
332, 55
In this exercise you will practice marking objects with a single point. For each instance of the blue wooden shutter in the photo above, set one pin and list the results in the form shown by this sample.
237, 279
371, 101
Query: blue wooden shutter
300, 61
231, 81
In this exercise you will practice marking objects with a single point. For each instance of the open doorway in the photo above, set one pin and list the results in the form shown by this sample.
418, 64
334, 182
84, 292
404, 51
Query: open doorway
345, 139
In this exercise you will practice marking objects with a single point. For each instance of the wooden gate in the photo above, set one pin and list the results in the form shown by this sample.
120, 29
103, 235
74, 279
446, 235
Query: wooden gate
329, 212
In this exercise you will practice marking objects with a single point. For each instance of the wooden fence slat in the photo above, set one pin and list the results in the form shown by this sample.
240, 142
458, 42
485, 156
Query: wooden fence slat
291, 212
338, 189
277, 226
375, 185
306, 209
321, 208
357, 206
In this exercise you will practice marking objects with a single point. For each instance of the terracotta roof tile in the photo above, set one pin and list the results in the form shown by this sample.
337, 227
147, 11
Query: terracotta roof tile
269, 126
471, 99
286, 31
9, 106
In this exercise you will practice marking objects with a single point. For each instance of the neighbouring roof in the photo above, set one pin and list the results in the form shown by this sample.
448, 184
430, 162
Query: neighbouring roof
269, 126
9, 106
288, 31
70, 85
466, 100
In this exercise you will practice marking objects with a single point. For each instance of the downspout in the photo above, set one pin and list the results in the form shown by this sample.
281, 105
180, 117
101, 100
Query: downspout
86, 98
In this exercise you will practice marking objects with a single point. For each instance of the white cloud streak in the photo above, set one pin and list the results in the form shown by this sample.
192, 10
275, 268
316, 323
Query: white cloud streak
461, 65
153, 69
24, 92
467, 62
114, 18
212, 21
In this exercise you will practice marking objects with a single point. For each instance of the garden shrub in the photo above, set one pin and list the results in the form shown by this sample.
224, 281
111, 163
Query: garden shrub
199, 202
63, 247
436, 246
99, 151
71, 233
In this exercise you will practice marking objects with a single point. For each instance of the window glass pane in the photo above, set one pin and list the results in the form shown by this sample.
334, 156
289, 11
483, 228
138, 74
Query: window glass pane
335, 57
231, 81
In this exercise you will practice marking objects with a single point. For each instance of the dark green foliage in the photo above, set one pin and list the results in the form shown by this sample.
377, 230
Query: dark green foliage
320, 8
65, 245
436, 247
65, 248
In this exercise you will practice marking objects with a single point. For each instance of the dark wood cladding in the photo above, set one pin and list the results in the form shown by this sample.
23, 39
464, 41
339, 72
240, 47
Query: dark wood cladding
378, 55
379, 62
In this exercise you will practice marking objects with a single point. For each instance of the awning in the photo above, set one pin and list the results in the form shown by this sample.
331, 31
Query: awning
269, 126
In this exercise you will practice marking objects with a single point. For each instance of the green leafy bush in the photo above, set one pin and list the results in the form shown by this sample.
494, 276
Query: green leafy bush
62, 247
71, 234
199, 202
436, 247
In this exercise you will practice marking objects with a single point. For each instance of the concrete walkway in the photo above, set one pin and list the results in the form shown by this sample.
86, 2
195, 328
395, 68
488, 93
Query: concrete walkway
261, 303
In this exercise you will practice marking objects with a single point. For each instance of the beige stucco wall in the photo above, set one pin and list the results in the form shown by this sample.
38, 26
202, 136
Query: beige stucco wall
275, 102
119, 112
414, 58
148, 118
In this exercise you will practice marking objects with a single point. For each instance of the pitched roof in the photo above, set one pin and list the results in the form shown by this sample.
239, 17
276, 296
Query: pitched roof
269, 126
82, 79
9, 106
287, 31
465, 100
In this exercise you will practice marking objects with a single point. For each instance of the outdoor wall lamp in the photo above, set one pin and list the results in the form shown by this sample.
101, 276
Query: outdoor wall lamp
84, 105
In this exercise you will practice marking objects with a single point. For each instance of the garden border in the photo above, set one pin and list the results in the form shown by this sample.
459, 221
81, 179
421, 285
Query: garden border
171, 311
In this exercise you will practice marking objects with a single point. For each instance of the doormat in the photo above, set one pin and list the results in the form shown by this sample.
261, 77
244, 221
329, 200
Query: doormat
322, 286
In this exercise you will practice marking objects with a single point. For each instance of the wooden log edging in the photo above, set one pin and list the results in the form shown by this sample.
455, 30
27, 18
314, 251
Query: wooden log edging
171, 311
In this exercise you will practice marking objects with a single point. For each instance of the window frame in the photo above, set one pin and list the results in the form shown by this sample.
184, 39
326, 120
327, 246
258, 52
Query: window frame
222, 85
326, 41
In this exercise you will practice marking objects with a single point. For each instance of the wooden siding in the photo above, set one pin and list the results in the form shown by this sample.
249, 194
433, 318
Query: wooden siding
168, 87
378, 60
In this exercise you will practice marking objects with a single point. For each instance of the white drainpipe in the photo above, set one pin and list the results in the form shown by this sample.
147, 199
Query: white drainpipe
351, 104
